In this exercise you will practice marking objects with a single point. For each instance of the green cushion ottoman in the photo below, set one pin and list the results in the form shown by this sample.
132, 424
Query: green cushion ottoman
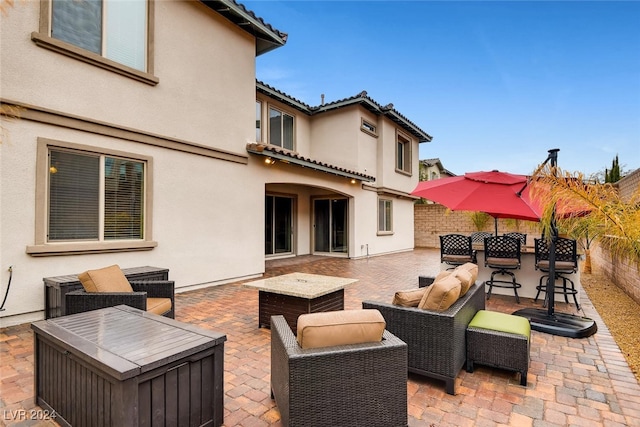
500, 340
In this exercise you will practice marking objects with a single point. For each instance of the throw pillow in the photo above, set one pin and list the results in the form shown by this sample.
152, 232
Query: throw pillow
442, 294
408, 298
108, 279
467, 274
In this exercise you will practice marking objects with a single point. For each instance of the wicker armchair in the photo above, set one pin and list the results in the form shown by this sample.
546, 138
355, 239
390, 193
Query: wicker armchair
436, 340
350, 385
80, 301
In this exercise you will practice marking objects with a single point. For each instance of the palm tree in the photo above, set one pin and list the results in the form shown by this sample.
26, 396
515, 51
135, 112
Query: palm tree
594, 211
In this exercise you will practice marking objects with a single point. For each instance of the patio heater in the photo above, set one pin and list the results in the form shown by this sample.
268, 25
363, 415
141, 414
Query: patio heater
548, 321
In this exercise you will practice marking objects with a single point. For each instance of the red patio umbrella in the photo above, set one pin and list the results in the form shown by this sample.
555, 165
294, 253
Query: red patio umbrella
499, 194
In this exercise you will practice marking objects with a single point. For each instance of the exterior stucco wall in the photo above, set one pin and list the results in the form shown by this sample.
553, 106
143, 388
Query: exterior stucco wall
208, 214
187, 103
334, 135
208, 208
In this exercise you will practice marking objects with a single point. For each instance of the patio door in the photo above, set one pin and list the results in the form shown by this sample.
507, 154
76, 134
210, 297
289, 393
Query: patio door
278, 225
330, 225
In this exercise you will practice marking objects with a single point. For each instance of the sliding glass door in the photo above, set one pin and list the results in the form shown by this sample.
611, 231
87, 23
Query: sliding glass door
278, 225
330, 225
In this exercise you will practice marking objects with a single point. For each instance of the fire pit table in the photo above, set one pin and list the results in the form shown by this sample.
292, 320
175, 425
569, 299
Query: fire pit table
298, 293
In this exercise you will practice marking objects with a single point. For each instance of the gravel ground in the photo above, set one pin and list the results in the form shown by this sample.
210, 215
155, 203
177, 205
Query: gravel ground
619, 312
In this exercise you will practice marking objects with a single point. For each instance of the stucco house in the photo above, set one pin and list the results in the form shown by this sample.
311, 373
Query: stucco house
433, 169
147, 141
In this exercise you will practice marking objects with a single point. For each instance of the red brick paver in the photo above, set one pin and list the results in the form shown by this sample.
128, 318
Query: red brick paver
571, 381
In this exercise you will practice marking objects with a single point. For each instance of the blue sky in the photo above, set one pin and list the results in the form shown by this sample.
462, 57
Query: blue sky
496, 84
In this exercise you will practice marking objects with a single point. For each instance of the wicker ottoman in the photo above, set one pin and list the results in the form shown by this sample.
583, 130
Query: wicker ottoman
499, 340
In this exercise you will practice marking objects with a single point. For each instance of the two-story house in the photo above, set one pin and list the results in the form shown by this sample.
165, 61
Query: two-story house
143, 138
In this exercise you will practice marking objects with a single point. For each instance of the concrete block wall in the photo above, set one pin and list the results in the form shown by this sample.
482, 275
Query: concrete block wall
622, 271
433, 220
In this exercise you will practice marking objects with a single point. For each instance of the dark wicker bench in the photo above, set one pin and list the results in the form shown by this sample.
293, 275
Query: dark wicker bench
436, 340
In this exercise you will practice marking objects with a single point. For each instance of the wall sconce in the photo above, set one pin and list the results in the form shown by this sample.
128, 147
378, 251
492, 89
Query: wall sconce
353, 180
269, 161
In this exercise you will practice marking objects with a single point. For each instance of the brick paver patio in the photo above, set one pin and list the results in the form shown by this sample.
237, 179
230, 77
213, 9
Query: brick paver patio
581, 382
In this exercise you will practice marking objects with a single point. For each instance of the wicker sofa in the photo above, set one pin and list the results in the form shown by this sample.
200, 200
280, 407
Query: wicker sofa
347, 385
436, 340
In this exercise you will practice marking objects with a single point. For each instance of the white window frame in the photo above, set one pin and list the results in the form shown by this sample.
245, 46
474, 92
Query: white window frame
42, 246
369, 128
293, 128
43, 39
385, 216
404, 157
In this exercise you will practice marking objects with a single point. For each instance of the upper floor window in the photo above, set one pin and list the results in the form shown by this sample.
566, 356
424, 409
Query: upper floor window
90, 200
258, 121
384, 215
280, 129
114, 29
403, 153
116, 35
369, 128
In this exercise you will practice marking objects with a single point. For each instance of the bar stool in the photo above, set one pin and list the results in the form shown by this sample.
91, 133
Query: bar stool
456, 249
566, 263
502, 253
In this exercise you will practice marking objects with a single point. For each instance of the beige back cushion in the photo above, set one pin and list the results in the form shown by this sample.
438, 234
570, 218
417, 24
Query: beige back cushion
340, 328
108, 279
408, 298
442, 294
467, 274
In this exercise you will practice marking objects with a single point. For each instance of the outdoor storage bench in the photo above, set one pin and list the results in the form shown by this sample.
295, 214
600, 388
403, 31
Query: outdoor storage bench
436, 340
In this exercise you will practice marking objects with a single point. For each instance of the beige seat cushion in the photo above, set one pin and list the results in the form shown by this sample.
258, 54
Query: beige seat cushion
408, 298
502, 262
342, 327
442, 294
108, 279
158, 305
467, 274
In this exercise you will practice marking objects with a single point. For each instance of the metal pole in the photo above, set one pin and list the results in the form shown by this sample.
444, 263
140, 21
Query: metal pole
551, 282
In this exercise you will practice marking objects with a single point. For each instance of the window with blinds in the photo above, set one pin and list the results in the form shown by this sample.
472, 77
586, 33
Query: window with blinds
94, 197
114, 29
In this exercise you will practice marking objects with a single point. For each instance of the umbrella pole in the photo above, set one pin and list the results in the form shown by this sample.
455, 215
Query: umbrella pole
562, 324
496, 222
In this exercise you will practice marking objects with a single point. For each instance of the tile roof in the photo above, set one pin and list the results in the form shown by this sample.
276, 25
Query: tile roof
362, 99
267, 37
295, 158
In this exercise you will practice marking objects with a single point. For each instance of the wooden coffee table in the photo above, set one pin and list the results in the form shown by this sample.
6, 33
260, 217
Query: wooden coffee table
298, 293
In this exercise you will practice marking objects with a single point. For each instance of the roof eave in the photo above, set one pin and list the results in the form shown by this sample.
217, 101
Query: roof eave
267, 38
